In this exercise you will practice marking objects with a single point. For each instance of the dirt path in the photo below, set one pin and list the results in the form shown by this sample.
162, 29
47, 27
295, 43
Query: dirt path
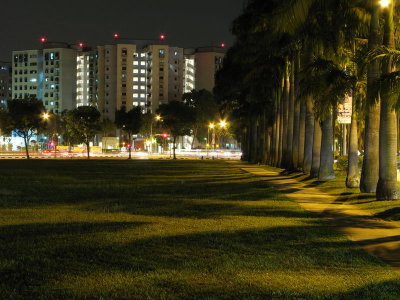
378, 237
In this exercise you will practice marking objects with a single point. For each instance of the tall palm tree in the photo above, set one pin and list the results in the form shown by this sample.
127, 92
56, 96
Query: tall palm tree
316, 152
387, 188
370, 168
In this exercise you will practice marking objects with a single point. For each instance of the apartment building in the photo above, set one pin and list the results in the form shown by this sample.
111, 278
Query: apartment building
207, 61
189, 83
27, 74
86, 77
48, 74
5, 83
138, 73
146, 73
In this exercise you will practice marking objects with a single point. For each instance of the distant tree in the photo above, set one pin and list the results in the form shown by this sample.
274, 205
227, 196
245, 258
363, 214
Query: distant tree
146, 128
82, 124
178, 118
108, 129
130, 122
24, 117
206, 110
54, 126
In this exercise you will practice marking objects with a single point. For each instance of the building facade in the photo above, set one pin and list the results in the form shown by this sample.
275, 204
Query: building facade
145, 73
5, 83
207, 61
49, 74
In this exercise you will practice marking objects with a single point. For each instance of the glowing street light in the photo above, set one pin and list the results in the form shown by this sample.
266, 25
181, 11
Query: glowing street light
384, 3
223, 124
45, 116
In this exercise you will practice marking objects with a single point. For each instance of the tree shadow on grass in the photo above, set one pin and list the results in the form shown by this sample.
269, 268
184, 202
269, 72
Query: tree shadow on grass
389, 214
32, 266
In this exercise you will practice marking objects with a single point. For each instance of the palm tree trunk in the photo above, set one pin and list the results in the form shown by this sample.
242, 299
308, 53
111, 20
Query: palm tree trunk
302, 125
326, 164
253, 144
296, 117
267, 153
370, 168
271, 160
309, 135
285, 119
387, 184
316, 151
353, 176
280, 152
291, 104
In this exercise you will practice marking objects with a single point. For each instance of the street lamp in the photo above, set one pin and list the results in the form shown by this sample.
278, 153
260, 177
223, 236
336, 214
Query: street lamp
157, 118
210, 126
45, 116
384, 3
223, 124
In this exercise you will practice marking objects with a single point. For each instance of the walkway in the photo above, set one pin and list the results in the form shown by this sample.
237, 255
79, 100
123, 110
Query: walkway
378, 237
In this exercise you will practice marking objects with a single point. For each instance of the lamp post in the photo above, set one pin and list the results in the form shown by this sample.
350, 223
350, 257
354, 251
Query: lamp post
157, 118
384, 3
223, 125
210, 126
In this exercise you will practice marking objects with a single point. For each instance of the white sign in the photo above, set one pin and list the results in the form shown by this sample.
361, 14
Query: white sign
345, 109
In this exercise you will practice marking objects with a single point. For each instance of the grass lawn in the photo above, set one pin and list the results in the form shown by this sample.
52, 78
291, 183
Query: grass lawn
387, 210
169, 230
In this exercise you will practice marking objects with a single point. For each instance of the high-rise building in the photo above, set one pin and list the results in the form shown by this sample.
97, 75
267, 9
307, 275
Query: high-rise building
5, 83
145, 73
27, 74
208, 60
189, 83
48, 74
86, 78
138, 73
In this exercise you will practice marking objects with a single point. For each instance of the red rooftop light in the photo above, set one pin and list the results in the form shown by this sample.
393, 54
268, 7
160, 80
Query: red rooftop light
223, 45
81, 45
43, 39
163, 36
116, 35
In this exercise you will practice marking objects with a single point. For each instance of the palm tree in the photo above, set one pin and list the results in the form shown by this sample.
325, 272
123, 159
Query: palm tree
387, 188
316, 150
370, 168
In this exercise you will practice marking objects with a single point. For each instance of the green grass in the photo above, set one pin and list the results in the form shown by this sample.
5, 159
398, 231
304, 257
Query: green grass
387, 210
169, 230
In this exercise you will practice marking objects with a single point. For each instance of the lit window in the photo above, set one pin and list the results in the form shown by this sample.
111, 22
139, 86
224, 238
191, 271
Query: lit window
135, 79
142, 71
142, 95
142, 79
142, 87
135, 87
143, 63
135, 71
135, 63
135, 95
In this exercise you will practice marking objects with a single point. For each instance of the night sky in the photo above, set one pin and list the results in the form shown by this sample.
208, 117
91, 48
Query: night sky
187, 23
